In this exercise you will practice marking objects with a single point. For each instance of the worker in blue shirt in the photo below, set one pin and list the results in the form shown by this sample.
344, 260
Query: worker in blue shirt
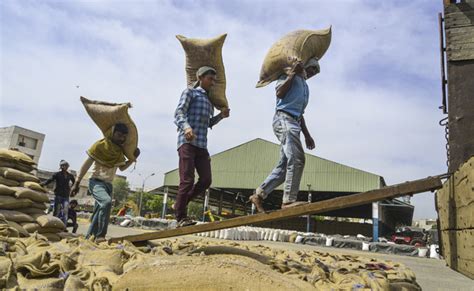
292, 98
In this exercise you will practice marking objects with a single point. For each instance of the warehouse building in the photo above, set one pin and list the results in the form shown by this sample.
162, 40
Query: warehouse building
239, 170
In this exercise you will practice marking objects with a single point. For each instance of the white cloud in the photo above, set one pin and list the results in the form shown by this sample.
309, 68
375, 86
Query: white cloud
373, 107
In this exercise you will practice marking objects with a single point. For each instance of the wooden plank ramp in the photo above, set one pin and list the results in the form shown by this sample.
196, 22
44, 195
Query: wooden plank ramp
407, 188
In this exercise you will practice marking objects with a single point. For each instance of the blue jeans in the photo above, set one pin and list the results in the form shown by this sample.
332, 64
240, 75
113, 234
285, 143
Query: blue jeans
61, 208
101, 191
292, 159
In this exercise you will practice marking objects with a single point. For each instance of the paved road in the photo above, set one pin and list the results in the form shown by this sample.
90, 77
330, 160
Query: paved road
431, 274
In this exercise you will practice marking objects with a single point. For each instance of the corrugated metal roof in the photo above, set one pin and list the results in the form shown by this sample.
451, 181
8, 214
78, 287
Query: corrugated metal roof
247, 165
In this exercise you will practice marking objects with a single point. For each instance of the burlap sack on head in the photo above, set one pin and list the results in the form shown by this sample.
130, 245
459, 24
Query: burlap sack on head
105, 115
6, 191
16, 156
16, 216
8, 202
34, 186
16, 165
31, 194
299, 45
206, 52
47, 221
16, 175
8, 182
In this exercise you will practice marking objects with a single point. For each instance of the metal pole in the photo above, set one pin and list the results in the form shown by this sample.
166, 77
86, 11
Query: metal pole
165, 203
375, 221
206, 205
141, 199
308, 218
141, 194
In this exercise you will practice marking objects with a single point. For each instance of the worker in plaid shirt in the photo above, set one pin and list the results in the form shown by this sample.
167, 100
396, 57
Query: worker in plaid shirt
193, 117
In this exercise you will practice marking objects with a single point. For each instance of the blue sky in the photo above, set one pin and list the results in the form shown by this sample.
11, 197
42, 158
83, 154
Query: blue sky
374, 106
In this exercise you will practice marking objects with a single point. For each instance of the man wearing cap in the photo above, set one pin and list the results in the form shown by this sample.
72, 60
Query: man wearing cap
292, 98
63, 180
193, 117
107, 156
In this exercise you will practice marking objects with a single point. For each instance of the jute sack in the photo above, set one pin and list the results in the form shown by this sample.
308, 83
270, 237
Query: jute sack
206, 52
36, 215
16, 216
8, 202
16, 175
39, 205
111, 258
30, 227
34, 186
16, 165
54, 237
50, 222
105, 115
49, 230
31, 210
299, 45
16, 156
19, 228
31, 194
6, 191
8, 182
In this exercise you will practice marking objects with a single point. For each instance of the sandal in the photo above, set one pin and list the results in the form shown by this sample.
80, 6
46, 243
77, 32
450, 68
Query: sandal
258, 202
186, 222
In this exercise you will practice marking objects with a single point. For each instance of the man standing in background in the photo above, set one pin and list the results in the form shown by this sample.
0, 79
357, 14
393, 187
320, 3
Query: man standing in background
63, 180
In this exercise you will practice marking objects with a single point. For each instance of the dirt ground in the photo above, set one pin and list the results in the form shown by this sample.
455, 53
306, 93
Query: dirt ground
431, 274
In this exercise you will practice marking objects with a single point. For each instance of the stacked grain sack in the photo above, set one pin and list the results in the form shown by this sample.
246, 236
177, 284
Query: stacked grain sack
22, 199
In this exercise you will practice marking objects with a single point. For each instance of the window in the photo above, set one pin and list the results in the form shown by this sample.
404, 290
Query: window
27, 142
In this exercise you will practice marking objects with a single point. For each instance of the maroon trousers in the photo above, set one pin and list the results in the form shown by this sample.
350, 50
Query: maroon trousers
191, 158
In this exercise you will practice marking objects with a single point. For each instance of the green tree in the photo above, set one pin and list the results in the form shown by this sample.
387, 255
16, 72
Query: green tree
195, 210
150, 202
121, 190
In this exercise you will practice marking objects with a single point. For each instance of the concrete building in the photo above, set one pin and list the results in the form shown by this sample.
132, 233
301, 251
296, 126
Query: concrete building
27, 141
426, 224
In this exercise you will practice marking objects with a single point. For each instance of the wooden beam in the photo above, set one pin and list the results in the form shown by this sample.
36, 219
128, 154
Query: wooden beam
407, 188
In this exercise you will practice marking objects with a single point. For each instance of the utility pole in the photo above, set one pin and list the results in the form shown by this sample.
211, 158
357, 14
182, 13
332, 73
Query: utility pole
308, 221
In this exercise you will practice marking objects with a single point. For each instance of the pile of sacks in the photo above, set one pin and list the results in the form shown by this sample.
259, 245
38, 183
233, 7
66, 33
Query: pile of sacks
77, 263
252, 233
23, 200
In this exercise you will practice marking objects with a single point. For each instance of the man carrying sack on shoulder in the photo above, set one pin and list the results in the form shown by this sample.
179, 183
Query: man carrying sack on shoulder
292, 98
107, 156
193, 117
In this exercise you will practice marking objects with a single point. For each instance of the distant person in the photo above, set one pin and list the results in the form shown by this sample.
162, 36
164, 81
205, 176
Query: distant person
63, 180
107, 155
72, 216
193, 117
292, 95
123, 211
